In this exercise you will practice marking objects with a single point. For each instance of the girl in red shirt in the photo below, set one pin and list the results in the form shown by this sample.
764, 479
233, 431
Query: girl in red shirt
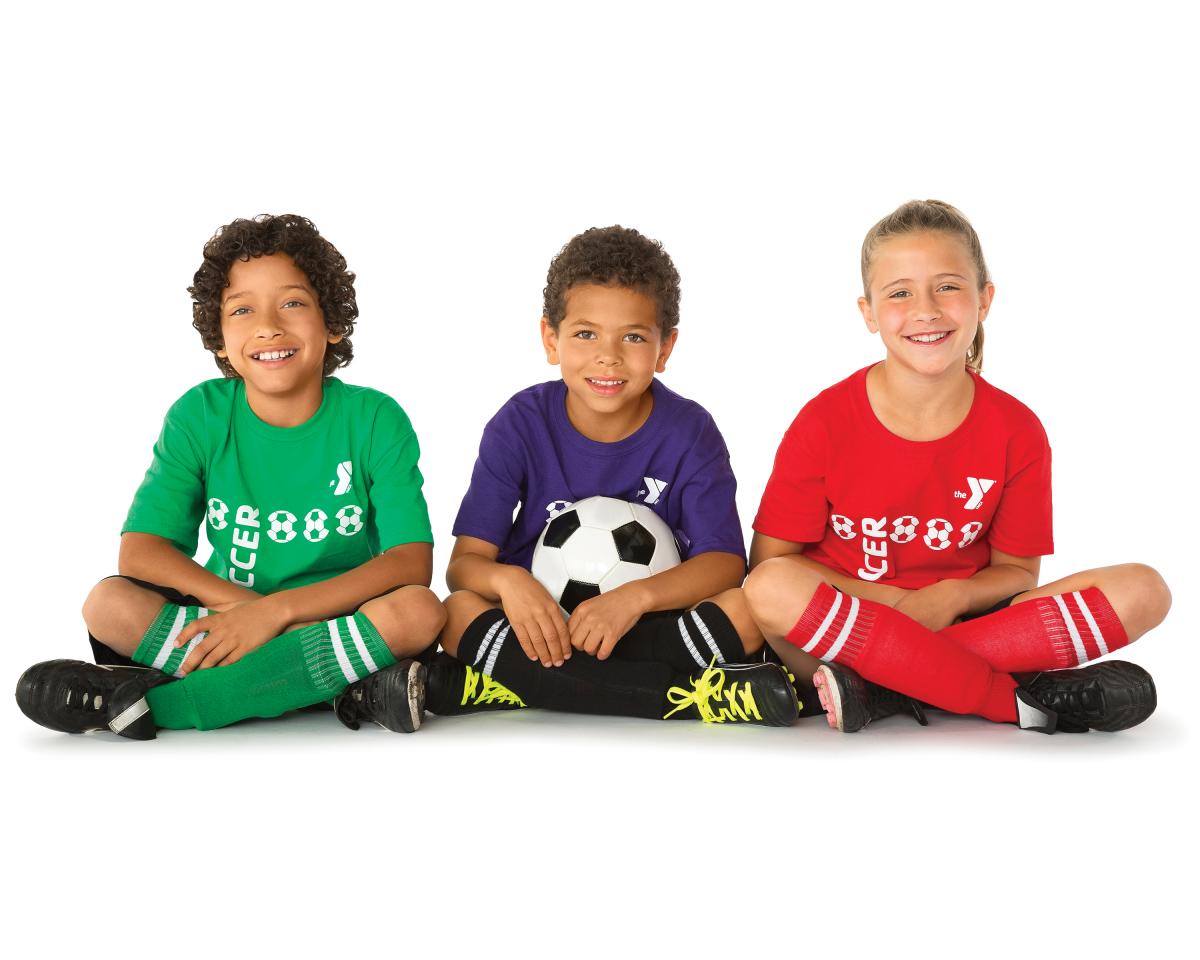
911, 499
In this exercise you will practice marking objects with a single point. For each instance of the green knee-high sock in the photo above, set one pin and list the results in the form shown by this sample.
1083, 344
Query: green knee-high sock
158, 649
297, 669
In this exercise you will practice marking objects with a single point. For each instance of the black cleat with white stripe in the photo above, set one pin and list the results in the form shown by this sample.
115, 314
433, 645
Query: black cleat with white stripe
72, 696
393, 697
1113, 695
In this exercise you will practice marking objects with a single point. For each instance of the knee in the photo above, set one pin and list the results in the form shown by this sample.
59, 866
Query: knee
408, 619
775, 589
105, 597
1151, 593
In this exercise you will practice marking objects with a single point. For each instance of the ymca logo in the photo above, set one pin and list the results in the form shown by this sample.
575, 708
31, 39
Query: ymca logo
653, 489
343, 479
978, 489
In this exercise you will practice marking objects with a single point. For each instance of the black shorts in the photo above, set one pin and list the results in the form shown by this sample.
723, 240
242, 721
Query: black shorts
104, 654
995, 608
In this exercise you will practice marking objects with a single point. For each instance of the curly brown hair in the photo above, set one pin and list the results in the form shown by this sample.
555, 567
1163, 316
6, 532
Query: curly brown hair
263, 236
614, 256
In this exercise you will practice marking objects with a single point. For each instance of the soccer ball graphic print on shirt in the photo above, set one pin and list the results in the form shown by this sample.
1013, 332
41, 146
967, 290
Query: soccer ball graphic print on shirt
597, 544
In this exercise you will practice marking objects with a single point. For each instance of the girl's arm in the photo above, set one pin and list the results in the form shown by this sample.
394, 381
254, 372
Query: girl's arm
763, 548
940, 604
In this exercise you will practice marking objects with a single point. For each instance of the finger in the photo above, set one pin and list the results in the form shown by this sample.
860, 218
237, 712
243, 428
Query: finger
199, 625
564, 638
594, 639
550, 634
216, 655
197, 653
539, 642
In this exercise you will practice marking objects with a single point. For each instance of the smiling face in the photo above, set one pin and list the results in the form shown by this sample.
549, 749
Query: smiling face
273, 330
926, 302
609, 347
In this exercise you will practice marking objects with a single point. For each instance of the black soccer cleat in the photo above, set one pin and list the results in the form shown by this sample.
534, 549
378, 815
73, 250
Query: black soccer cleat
393, 697
1109, 696
737, 693
72, 696
453, 687
851, 702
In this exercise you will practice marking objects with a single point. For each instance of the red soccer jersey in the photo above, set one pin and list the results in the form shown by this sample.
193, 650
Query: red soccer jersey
907, 513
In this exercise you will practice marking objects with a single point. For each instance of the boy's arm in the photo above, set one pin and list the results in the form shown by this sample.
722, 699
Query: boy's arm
599, 623
532, 612
247, 626
940, 604
157, 560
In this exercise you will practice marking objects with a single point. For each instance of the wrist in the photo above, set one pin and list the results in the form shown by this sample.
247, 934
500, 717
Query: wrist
640, 595
279, 607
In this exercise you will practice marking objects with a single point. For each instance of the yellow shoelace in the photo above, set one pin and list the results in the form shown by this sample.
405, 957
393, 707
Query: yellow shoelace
485, 690
715, 702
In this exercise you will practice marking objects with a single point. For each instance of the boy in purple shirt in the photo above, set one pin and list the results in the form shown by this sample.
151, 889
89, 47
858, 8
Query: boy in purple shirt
606, 428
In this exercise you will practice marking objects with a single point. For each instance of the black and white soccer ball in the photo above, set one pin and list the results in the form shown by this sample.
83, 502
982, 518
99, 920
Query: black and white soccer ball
598, 544
282, 526
938, 533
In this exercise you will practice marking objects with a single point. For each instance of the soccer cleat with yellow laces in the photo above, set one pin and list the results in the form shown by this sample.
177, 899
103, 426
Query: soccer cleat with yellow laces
736, 693
454, 687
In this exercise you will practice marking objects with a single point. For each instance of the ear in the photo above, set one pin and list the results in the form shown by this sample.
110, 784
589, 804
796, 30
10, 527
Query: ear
665, 349
864, 307
549, 341
334, 337
985, 300
223, 353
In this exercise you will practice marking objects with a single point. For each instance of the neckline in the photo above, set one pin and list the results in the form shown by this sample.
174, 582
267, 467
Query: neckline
881, 428
301, 431
603, 448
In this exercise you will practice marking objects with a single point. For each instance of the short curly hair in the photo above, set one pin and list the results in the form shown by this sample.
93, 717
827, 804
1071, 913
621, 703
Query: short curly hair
263, 236
614, 256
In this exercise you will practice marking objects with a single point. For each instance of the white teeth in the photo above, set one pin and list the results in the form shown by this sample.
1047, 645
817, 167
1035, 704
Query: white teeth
274, 354
928, 337
605, 383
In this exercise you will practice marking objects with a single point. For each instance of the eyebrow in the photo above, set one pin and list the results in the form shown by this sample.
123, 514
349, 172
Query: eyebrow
937, 276
584, 322
288, 286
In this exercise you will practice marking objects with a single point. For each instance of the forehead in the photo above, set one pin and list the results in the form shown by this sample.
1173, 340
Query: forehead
602, 305
920, 254
267, 273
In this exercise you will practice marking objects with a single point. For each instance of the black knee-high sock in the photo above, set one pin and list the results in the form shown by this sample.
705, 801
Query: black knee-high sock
688, 642
581, 685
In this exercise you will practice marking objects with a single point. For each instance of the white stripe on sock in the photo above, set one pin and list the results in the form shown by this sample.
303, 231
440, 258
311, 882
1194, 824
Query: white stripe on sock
491, 660
1091, 622
687, 642
841, 640
360, 645
340, 652
168, 647
487, 639
816, 637
1080, 652
187, 651
708, 638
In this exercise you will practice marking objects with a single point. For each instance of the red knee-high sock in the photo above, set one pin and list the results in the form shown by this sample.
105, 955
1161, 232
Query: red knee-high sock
890, 649
1047, 633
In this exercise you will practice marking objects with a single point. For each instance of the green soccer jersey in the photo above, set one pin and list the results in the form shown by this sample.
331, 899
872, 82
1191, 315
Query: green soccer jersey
283, 506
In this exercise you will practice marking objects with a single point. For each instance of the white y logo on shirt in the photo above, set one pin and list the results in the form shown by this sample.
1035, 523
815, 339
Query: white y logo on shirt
978, 489
344, 470
654, 489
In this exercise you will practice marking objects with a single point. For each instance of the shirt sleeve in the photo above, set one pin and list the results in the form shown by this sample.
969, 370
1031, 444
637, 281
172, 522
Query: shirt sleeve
1023, 524
170, 501
497, 484
708, 498
794, 505
396, 500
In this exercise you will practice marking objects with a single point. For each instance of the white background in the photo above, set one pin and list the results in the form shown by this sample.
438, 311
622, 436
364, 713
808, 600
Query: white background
449, 152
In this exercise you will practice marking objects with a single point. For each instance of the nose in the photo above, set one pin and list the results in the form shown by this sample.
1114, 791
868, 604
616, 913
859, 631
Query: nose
608, 351
925, 307
269, 326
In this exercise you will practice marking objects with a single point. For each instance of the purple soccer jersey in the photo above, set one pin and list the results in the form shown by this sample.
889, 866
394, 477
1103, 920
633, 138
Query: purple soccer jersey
532, 457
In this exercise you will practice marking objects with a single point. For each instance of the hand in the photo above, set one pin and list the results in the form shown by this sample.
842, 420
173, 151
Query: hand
535, 617
935, 606
233, 631
597, 624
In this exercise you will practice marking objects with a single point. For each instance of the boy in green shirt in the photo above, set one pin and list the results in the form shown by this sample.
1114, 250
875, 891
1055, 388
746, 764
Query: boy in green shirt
309, 490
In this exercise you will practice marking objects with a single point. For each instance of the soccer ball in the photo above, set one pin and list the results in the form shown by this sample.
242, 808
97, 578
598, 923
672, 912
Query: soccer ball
842, 526
598, 544
904, 529
281, 530
938, 535
969, 532
216, 514
314, 526
349, 520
